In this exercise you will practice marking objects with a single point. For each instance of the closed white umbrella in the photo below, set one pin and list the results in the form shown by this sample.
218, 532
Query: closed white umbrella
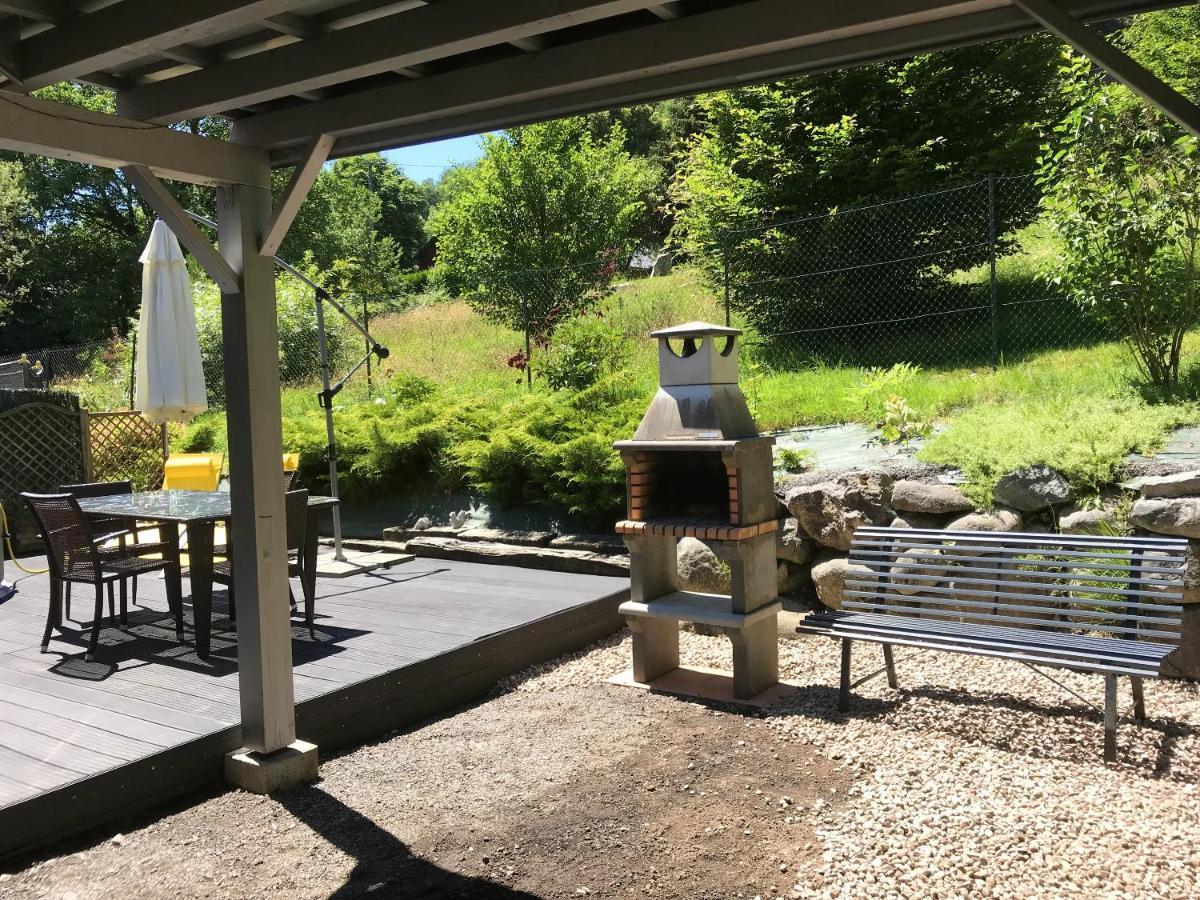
170, 379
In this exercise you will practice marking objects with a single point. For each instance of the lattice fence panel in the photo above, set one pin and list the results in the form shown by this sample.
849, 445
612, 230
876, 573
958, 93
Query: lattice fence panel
41, 447
124, 446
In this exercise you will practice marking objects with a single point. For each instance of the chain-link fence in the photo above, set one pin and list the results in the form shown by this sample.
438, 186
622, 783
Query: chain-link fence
951, 277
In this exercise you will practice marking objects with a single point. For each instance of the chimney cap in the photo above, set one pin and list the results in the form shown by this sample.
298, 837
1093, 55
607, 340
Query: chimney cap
694, 329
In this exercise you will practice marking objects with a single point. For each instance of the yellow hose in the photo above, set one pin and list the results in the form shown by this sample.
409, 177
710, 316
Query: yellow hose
8, 543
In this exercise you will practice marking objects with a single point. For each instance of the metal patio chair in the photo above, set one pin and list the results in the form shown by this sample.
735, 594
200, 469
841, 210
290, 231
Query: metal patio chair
75, 558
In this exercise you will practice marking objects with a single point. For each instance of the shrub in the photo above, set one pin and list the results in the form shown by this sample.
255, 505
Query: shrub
1085, 438
299, 351
584, 349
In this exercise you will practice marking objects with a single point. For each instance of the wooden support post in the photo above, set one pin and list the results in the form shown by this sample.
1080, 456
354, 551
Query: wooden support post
251, 343
1110, 718
289, 204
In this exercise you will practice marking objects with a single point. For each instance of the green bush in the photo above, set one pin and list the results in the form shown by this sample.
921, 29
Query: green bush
584, 349
1085, 438
548, 449
299, 353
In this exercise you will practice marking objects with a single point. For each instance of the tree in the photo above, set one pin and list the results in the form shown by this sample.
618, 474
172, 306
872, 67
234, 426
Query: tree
801, 148
14, 232
534, 229
1120, 188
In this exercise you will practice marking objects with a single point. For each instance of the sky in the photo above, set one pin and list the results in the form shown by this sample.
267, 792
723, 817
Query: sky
430, 160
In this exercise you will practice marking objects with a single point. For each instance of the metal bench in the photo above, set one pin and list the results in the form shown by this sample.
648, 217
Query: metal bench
1107, 605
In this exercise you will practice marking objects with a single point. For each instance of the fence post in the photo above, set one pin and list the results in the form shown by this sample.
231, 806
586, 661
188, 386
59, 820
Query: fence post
132, 368
992, 270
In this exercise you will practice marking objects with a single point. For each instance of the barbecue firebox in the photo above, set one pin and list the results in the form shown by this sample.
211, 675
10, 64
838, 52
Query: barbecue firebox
697, 467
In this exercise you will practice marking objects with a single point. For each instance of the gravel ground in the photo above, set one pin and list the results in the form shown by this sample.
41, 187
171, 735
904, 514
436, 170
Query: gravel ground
977, 778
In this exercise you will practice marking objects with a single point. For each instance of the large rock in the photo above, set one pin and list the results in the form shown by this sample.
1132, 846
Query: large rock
920, 521
792, 544
1181, 484
1168, 515
993, 520
917, 570
1032, 489
700, 569
829, 577
831, 511
1184, 660
1087, 521
929, 497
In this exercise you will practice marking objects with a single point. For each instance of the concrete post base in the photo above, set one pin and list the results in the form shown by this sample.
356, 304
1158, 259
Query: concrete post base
655, 647
755, 657
294, 765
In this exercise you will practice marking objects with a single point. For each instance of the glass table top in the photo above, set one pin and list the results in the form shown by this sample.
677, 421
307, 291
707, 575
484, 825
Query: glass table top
173, 506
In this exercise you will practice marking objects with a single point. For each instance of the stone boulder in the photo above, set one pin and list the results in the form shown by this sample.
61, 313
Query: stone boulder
831, 511
992, 520
1181, 484
909, 576
1086, 521
1168, 515
1184, 660
1033, 489
929, 497
700, 569
792, 544
921, 521
829, 578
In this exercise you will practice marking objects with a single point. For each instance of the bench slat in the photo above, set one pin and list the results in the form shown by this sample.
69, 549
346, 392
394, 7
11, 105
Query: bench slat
914, 561
1122, 647
919, 612
1016, 537
984, 648
995, 587
1129, 563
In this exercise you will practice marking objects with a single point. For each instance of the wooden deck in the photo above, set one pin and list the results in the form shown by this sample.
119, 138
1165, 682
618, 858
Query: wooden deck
83, 743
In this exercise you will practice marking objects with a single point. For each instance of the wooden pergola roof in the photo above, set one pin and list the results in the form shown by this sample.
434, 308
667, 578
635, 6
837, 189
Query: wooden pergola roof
376, 74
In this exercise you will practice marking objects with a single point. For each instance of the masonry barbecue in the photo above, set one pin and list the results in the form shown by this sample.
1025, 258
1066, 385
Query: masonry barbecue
697, 467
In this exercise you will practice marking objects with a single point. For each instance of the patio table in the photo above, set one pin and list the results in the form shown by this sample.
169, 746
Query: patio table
199, 512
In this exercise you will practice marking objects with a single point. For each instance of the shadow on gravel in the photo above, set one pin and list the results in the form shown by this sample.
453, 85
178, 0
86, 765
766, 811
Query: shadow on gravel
384, 866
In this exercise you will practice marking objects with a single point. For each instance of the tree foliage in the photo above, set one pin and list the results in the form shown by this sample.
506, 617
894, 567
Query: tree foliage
801, 148
534, 228
1120, 187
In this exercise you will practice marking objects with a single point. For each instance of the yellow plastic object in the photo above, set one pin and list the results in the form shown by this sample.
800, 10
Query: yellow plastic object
193, 471
291, 462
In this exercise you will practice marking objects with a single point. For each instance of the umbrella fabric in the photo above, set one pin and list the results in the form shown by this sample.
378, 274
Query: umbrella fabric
170, 379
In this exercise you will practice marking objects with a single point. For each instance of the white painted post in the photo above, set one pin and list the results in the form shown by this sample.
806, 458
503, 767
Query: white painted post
251, 344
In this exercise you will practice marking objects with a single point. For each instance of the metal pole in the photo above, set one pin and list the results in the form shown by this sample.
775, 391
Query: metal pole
725, 265
367, 325
132, 368
992, 270
331, 441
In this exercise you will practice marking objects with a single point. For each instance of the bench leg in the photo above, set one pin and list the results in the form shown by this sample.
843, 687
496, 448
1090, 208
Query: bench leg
1139, 699
889, 663
1110, 718
844, 691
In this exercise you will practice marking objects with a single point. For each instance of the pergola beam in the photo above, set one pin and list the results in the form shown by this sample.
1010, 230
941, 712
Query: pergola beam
418, 36
1115, 61
128, 31
731, 34
30, 125
815, 58
164, 203
289, 204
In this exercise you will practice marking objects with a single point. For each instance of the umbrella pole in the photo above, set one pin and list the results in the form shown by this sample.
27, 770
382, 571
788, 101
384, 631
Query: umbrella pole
331, 443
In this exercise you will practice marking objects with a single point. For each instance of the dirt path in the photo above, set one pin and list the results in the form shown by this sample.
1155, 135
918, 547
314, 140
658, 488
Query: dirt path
589, 790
